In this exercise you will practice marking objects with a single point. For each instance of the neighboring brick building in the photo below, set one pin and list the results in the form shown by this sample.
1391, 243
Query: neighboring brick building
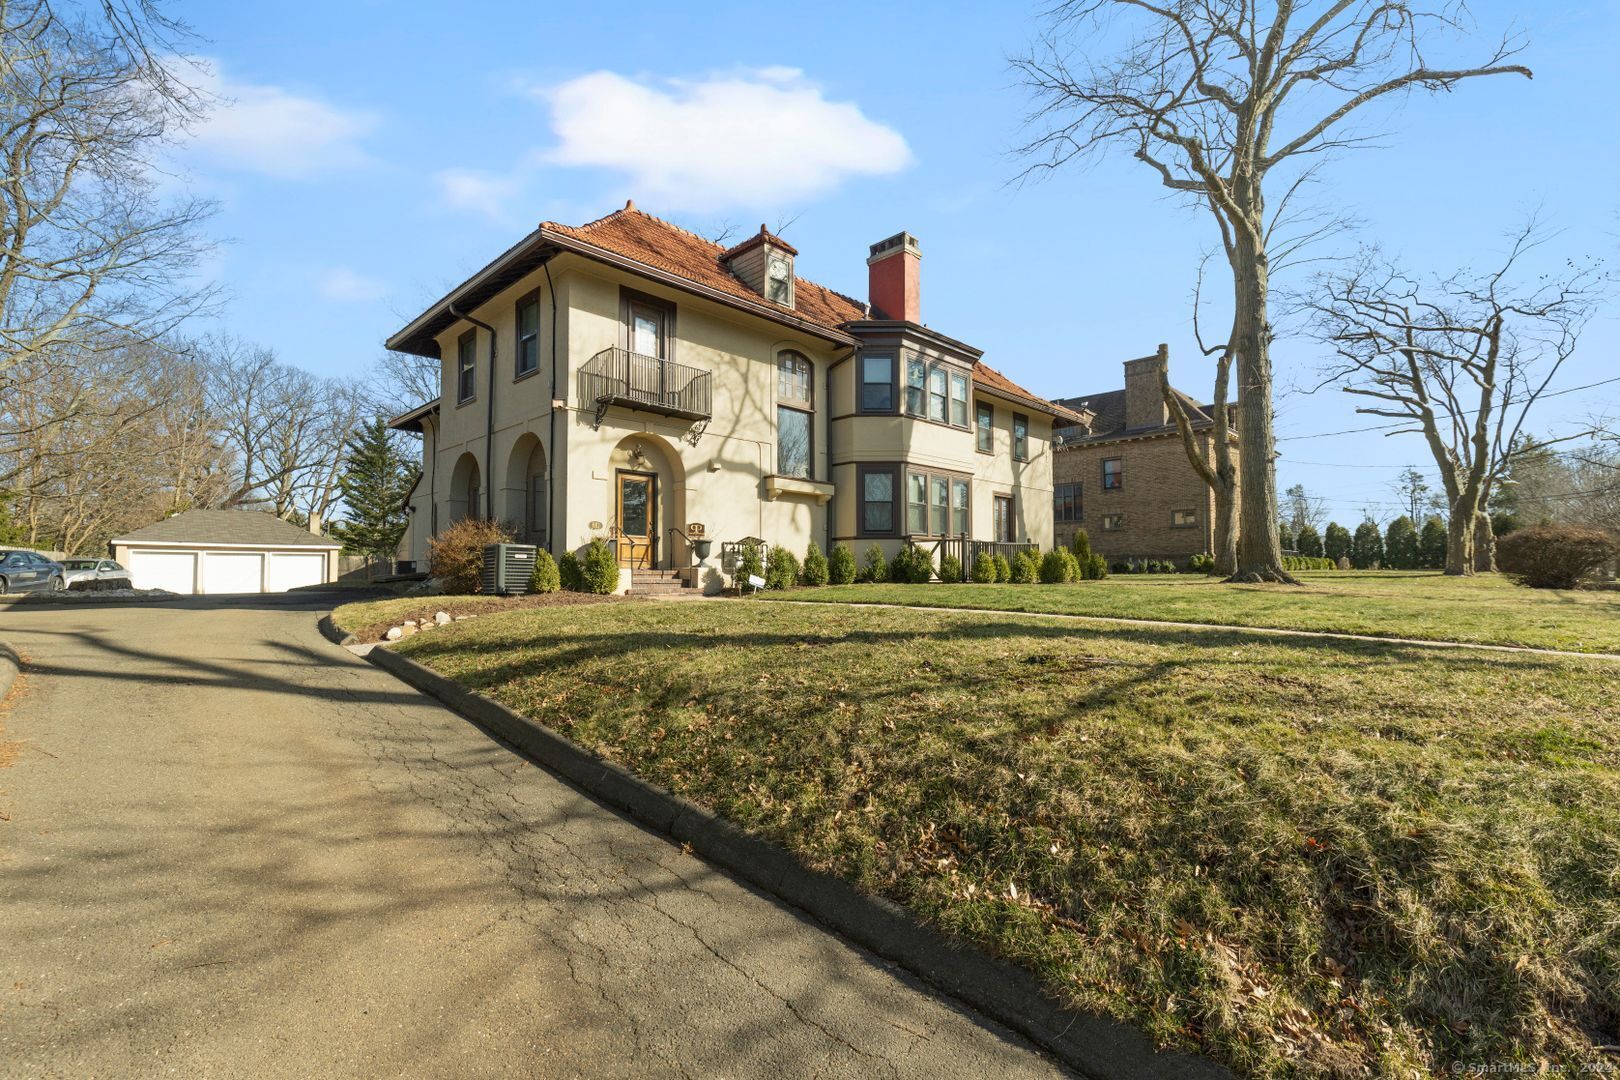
1123, 474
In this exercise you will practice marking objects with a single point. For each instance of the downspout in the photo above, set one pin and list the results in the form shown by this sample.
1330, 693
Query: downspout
551, 424
489, 415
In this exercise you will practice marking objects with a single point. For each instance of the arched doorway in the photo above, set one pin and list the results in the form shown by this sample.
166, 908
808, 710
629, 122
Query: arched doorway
646, 498
526, 503
466, 492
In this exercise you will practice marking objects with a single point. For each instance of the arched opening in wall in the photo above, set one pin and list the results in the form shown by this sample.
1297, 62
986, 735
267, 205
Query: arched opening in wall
525, 503
647, 498
466, 493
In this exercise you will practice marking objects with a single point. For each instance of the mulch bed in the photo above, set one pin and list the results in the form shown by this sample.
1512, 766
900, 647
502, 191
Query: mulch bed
482, 605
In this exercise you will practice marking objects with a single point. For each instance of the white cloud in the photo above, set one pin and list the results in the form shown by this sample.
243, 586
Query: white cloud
486, 193
756, 138
268, 129
341, 283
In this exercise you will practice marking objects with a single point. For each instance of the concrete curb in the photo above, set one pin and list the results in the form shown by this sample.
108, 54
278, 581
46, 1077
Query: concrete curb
329, 630
1095, 1046
10, 665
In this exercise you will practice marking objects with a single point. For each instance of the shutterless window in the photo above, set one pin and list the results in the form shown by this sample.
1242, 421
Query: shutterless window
1020, 437
1113, 522
1113, 473
959, 507
936, 505
793, 379
986, 435
1183, 519
877, 384
466, 366
936, 394
917, 504
959, 399
792, 441
916, 387
1066, 502
877, 501
528, 334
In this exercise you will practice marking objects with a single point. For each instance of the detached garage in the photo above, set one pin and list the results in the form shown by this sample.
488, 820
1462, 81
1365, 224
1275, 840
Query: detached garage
226, 551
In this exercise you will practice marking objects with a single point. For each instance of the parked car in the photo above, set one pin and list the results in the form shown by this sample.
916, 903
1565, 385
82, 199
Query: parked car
85, 574
23, 571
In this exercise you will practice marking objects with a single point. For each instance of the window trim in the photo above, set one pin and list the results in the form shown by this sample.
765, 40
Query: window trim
988, 428
1020, 446
467, 360
929, 476
896, 508
894, 389
808, 404
1077, 496
810, 451
933, 368
1117, 518
629, 300
1119, 474
530, 297
1190, 524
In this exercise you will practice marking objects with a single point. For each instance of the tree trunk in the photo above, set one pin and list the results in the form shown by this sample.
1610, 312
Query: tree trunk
1484, 544
1259, 557
1459, 549
1226, 533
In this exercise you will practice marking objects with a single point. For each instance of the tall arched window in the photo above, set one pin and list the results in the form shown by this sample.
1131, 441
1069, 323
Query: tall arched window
794, 413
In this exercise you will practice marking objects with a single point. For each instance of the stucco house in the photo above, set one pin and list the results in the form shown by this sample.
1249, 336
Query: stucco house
1121, 472
630, 380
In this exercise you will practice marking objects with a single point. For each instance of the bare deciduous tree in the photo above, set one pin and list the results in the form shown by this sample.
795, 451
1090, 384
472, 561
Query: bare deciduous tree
1215, 97
1460, 360
91, 257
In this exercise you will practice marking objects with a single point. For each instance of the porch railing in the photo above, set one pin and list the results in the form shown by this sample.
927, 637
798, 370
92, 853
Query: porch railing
620, 377
966, 550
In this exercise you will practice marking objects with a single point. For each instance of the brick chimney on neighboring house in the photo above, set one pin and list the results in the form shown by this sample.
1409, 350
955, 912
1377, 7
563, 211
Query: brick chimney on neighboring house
1144, 404
894, 282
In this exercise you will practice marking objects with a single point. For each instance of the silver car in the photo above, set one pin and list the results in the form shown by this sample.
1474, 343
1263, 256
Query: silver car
85, 574
24, 571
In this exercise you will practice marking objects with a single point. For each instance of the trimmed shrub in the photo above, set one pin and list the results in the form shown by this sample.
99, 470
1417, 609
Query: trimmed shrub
600, 568
876, 567
1432, 544
1121, 568
1053, 570
1201, 564
1367, 547
1301, 562
950, 568
569, 572
1081, 546
912, 566
1554, 556
750, 562
1401, 545
1336, 542
1004, 570
815, 571
1026, 568
984, 568
546, 579
456, 555
781, 568
1308, 541
840, 565
1095, 568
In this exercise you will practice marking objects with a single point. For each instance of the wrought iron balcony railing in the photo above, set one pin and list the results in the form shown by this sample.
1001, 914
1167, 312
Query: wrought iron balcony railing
621, 377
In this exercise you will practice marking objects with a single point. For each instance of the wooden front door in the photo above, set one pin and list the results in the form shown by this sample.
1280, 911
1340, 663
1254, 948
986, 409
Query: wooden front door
638, 517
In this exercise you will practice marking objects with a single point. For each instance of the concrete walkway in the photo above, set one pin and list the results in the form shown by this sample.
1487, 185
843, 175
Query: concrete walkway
1268, 631
228, 848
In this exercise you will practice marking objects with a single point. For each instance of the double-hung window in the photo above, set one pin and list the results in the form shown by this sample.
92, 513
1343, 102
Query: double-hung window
528, 336
936, 394
1113, 473
877, 499
959, 506
1066, 505
936, 504
986, 428
877, 384
916, 386
466, 366
1020, 437
959, 399
793, 414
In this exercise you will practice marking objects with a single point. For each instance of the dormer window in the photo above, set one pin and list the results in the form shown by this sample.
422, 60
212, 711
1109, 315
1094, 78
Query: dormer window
764, 262
779, 279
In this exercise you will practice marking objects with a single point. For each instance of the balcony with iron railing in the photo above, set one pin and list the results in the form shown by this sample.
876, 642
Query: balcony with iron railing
634, 381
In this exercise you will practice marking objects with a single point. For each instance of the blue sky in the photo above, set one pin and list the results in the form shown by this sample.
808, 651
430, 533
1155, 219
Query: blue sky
375, 153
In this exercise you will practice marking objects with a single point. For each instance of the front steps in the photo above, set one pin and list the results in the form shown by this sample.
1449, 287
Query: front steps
663, 582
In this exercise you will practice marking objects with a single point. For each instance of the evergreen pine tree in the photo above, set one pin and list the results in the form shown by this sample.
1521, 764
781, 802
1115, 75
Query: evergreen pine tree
1432, 544
1401, 545
1367, 546
1309, 542
1337, 542
376, 479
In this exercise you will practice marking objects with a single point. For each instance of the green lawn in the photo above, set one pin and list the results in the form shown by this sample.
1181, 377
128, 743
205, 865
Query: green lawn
1298, 857
1486, 610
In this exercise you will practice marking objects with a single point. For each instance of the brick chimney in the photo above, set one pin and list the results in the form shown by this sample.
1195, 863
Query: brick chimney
1144, 404
894, 282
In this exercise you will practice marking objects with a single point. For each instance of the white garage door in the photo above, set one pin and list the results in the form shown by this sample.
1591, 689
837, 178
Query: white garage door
294, 571
232, 572
175, 571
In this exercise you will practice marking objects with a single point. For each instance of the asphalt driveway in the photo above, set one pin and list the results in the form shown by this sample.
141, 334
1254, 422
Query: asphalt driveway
228, 848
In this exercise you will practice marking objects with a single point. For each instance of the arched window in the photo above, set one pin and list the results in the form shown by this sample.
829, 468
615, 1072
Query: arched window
794, 402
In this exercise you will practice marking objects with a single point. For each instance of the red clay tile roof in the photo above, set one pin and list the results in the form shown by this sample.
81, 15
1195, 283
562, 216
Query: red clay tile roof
637, 235
994, 381
761, 237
